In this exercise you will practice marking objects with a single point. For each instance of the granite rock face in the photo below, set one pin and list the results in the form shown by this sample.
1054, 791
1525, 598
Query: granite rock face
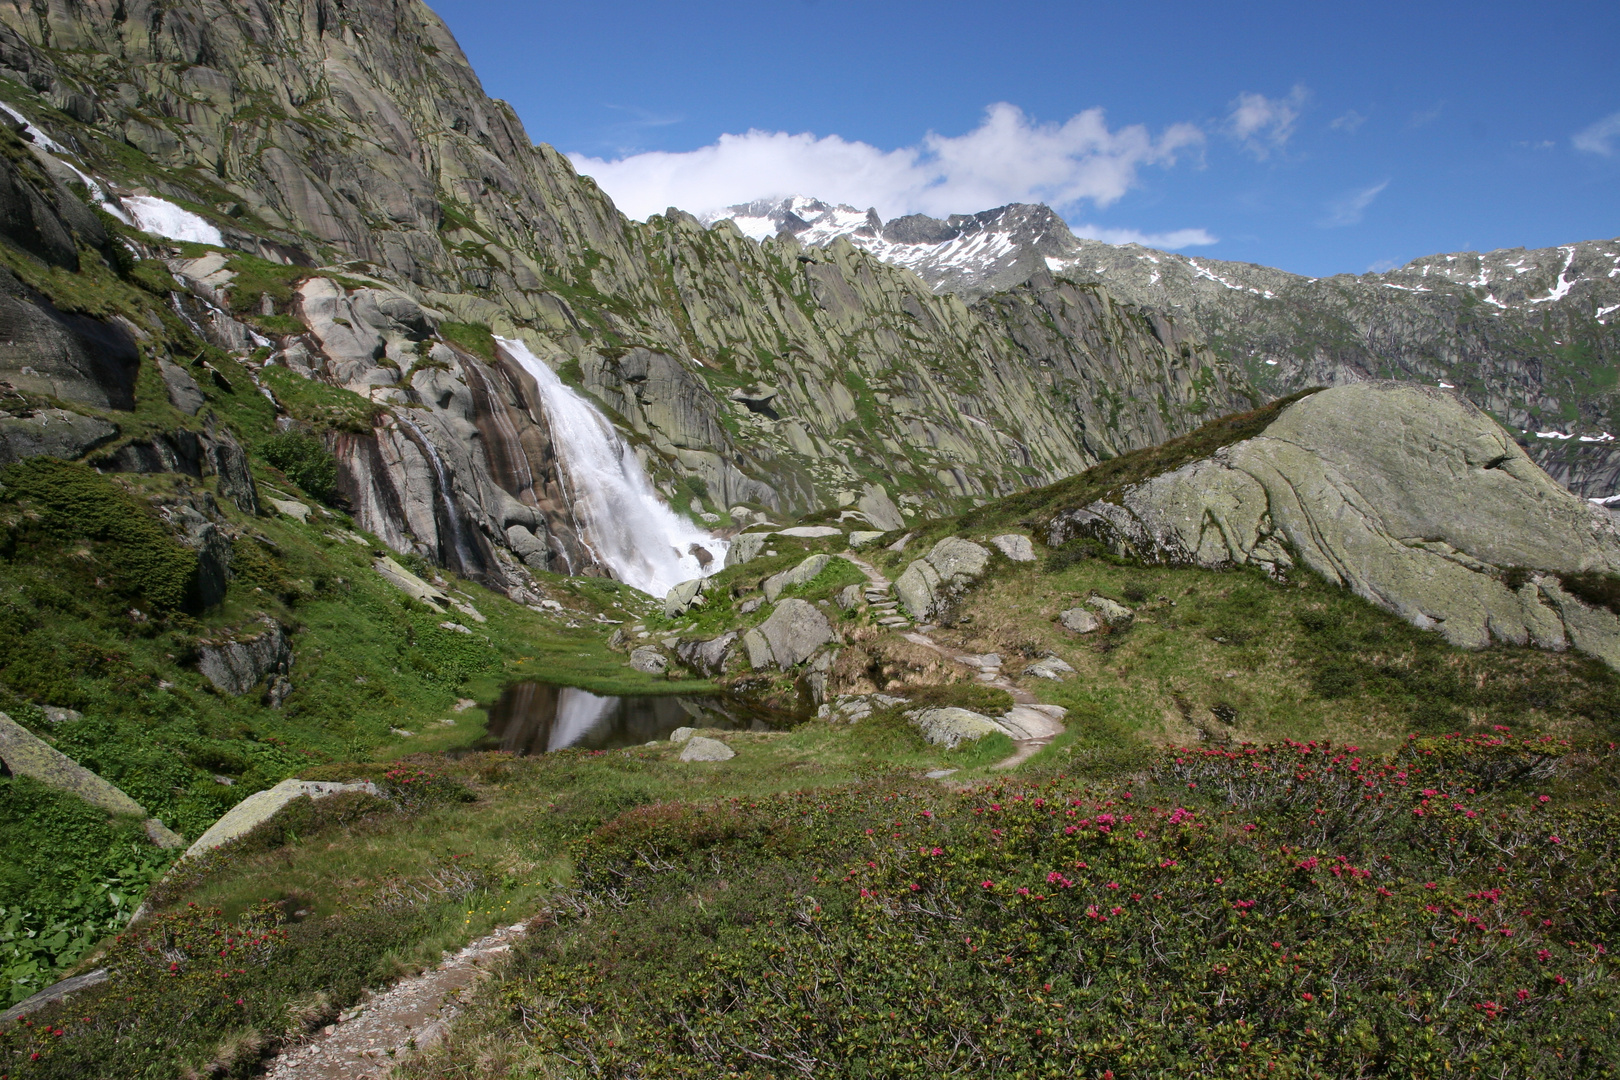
1410, 496
370, 143
930, 584
792, 634
237, 665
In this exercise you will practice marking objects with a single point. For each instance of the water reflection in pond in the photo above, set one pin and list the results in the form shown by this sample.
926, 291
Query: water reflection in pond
535, 718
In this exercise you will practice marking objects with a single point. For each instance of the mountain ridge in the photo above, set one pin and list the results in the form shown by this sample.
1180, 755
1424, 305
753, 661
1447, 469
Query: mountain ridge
1528, 335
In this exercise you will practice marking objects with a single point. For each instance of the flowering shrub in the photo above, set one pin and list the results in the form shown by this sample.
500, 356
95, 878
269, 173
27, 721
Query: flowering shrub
416, 786
1301, 909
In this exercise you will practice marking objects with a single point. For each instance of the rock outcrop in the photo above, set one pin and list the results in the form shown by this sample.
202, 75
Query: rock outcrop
1410, 496
25, 754
789, 637
238, 664
930, 584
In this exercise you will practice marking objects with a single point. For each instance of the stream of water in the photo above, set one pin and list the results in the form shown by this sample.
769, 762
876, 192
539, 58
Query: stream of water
617, 512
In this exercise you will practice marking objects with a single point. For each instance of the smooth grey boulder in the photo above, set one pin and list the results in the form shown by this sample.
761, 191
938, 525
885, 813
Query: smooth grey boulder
237, 665
849, 597
681, 597
1114, 614
759, 650
650, 659
794, 631
860, 538
1050, 667
702, 748
681, 734
184, 393
745, 547
26, 754
708, 657
1079, 620
950, 727
929, 585
529, 547
261, 806
1406, 494
802, 574
1016, 546
51, 433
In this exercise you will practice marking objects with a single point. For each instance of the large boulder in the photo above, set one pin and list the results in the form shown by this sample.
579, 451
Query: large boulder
649, 659
706, 656
1408, 495
795, 630
702, 748
261, 806
25, 754
950, 727
929, 585
681, 597
744, 548
802, 574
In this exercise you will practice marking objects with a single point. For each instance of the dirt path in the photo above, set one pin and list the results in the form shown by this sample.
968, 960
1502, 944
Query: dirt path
413, 1013
1031, 724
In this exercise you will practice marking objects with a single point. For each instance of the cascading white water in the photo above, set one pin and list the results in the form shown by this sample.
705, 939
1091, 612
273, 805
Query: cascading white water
618, 514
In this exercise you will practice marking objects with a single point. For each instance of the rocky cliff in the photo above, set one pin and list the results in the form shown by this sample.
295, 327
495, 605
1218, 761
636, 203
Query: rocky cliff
380, 220
1526, 335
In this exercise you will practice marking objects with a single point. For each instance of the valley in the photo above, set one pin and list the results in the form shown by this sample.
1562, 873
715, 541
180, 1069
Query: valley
775, 641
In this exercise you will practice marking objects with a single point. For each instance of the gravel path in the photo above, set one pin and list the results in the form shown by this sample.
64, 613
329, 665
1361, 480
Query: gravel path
413, 1013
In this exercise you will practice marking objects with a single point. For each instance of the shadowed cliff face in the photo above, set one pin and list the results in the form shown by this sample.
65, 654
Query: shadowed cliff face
353, 136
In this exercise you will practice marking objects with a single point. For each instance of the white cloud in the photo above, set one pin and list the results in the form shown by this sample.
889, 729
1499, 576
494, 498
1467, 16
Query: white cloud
1348, 123
1601, 137
1007, 158
1167, 241
1427, 116
1350, 209
1263, 124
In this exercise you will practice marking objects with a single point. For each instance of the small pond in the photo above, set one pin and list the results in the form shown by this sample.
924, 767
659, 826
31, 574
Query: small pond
537, 717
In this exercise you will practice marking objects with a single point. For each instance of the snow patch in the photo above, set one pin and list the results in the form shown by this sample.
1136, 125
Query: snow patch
1554, 435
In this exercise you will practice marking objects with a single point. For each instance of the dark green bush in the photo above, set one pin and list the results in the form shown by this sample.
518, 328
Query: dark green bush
73, 503
304, 459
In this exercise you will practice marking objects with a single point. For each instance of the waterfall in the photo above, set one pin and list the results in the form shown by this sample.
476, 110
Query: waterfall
467, 564
618, 514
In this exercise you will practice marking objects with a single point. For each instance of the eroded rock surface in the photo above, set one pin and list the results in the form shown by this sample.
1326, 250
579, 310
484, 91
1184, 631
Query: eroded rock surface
792, 634
930, 584
1408, 495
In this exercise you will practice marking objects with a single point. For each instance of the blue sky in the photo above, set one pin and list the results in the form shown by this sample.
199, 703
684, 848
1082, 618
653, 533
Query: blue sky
1321, 138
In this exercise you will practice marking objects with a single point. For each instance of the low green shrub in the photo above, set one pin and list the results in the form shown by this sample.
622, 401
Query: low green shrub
130, 549
304, 459
1297, 910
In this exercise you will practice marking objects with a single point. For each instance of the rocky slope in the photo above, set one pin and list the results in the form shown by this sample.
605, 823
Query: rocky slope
388, 216
1409, 496
1527, 335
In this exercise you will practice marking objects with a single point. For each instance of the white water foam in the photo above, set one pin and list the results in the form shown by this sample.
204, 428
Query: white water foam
162, 218
618, 514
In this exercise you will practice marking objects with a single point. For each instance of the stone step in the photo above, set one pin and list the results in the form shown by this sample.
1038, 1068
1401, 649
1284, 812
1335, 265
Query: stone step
894, 620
